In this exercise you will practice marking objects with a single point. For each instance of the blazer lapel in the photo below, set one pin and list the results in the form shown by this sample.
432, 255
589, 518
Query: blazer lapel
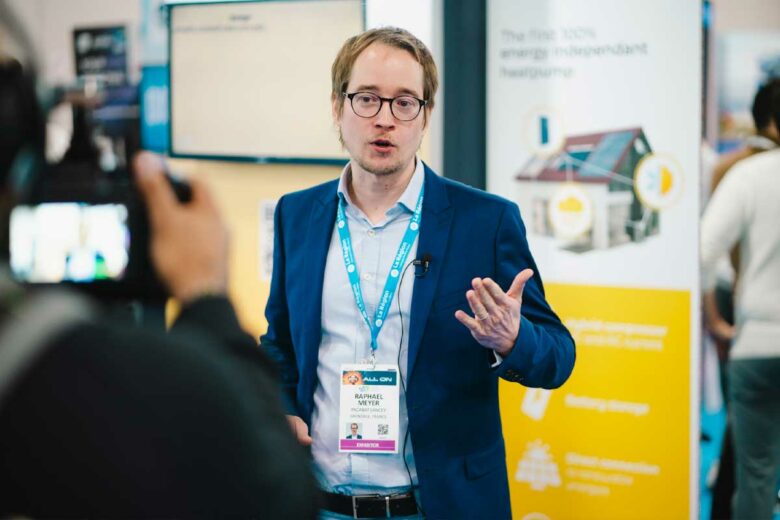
320, 228
433, 238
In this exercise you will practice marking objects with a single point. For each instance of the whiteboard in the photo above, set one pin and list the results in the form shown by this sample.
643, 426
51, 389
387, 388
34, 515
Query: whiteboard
251, 80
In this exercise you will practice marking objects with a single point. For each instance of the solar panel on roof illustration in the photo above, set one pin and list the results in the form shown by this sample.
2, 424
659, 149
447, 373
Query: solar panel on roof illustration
585, 195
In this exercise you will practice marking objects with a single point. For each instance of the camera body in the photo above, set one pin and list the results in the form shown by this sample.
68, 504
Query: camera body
87, 228
79, 221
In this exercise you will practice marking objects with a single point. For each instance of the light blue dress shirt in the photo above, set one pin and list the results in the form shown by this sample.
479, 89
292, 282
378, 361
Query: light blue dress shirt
346, 339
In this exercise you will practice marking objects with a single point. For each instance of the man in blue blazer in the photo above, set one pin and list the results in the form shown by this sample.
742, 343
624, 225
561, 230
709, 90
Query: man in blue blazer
391, 265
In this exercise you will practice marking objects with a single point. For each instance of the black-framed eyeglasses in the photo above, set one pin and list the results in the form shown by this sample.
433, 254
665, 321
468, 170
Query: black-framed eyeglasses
368, 104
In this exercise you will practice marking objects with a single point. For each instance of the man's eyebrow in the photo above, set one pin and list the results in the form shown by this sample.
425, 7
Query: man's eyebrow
374, 88
410, 92
363, 88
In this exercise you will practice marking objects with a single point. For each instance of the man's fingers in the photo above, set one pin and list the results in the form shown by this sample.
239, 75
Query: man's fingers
302, 432
477, 308
150, 178
484, 296
518, 284
303, 435
495, 291
299, 429
724, 331
470, 323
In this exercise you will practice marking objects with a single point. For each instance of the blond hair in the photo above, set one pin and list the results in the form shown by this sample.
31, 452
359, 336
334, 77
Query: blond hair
402, 39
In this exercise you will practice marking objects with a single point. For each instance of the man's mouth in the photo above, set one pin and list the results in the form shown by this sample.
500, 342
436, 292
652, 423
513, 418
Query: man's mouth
382, 145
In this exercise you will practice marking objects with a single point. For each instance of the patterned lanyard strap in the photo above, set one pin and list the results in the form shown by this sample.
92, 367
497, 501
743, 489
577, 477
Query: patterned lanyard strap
412, 230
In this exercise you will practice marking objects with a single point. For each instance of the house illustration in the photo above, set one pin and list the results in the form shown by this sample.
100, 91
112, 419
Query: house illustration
601, 167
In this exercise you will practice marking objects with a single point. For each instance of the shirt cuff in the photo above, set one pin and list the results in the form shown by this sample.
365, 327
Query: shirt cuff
496, 359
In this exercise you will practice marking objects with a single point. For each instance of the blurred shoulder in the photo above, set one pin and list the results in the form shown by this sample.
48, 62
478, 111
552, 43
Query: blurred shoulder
761, 167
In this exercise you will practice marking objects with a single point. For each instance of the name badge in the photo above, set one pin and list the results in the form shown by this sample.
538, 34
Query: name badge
369, 409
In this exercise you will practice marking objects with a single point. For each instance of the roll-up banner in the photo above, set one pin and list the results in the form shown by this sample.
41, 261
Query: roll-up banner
594, 125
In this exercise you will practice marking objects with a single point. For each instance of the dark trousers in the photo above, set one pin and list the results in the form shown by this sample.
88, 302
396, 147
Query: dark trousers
755, 410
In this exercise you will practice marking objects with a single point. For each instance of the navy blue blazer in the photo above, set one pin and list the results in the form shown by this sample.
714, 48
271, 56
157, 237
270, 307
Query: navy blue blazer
452, 391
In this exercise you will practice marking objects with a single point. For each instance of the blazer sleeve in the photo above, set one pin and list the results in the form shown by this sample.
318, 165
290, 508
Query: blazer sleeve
277, 341
544, 353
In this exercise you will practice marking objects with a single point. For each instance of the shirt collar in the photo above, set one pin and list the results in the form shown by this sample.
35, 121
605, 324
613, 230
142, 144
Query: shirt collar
408, 199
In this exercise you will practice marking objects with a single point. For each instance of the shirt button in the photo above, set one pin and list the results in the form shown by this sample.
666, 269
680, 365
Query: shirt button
371, 232
368, 276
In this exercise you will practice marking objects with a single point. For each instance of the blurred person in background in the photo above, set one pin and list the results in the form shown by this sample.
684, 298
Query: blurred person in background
103, 419
719, 304
744, 211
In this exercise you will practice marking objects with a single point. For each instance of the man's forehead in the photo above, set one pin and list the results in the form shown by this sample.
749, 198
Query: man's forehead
387, 68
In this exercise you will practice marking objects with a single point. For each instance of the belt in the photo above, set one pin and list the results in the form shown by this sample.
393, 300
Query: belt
372, 506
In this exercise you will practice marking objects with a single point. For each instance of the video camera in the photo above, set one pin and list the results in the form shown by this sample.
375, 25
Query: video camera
76, 223
91, 235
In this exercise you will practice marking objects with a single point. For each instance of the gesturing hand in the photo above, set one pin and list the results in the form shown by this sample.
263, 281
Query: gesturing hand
496, 321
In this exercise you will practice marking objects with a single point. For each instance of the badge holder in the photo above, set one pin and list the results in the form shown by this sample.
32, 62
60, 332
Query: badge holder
369, 408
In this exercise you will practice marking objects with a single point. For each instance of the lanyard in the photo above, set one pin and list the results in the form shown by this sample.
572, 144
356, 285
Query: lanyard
412, 230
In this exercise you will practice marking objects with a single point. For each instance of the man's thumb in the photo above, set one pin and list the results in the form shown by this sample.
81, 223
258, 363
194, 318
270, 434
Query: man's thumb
518, 284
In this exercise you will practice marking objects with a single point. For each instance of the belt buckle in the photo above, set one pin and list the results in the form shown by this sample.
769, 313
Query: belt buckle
355, 506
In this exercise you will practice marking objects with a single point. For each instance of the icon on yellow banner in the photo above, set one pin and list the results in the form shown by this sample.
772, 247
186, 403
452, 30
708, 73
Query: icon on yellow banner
571, 212
535, 403
535, 516
537, 467
657, 181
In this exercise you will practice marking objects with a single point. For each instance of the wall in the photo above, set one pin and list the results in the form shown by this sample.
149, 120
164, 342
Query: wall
746, 15
50, 24
239, 188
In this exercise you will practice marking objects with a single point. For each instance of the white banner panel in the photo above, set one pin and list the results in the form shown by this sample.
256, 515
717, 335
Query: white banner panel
594, 113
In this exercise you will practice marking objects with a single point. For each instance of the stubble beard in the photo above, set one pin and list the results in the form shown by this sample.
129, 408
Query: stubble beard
383, 171
379, 172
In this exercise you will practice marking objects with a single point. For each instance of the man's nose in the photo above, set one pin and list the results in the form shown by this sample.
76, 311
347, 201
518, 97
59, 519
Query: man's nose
385, 116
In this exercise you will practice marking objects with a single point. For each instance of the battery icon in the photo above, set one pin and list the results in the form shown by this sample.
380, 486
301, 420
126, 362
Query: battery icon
544, 130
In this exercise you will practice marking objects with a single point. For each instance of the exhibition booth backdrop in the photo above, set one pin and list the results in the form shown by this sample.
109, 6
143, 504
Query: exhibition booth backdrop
593, 128
593, 114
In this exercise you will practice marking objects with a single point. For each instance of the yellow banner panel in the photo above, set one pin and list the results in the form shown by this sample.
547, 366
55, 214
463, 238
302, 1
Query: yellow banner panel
613, 442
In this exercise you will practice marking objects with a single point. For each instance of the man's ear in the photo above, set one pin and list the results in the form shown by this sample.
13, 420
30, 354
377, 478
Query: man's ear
336, 109
336, 106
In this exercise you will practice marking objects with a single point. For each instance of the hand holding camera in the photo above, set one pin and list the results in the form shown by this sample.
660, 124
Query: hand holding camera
188, 242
